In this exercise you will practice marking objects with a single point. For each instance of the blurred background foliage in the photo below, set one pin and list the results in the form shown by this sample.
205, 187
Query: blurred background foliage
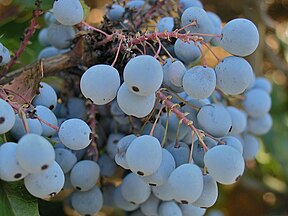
263, 189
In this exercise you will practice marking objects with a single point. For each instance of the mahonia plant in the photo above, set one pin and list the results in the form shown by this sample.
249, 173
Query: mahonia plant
136, 98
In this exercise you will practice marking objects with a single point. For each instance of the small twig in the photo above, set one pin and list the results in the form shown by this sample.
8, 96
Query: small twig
144, 48
181, 99
27, 35
217, 140
181, 116
159, 49
209, 48
4, 138
164, 35
177, 145
154, 51
117, 53
155, 122
166, 129
139, 50
151, 46
204, 170
168, 53
193, 23
202, 55
47, 123
96, 29
192, 147
146, 120
24, 121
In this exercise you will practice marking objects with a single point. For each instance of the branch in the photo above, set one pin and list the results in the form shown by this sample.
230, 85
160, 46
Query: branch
181, 117
168, 35
25, 81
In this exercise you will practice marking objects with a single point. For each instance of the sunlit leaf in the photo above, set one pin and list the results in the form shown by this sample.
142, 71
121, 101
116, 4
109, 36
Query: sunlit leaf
16, 201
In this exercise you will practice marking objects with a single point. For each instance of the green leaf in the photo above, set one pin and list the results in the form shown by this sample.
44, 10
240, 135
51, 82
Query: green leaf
16, 201
52, 142
86, 8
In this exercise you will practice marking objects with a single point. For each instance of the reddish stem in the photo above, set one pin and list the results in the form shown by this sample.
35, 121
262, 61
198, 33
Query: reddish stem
190, 24
151, 46
213, 53
161, 35
177, 145
96, 29
154, 125
181, 116
139, 50
159, 49
217, 140
202, 55
24, 121
155, 36
191, 148
174, 94
27, 35
186, 121
144, 48
117, 53
47, 123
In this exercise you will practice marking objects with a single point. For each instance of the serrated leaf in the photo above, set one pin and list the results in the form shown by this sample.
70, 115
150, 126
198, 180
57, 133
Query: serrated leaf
16, 201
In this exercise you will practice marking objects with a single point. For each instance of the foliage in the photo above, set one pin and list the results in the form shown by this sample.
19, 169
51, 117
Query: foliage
16, 201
